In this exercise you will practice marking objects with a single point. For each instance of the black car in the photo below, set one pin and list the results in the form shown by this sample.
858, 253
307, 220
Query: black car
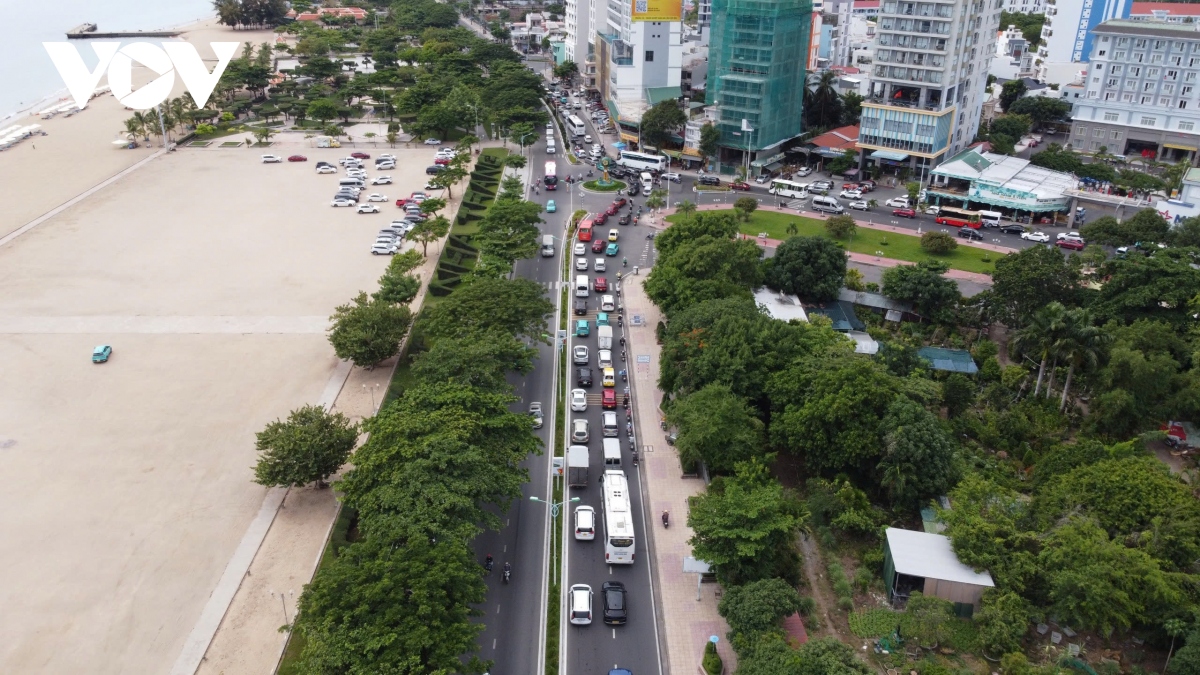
583, 377
615, 609
435, 169
969, 233
710, 180
580, 307
624, 220
1012, 229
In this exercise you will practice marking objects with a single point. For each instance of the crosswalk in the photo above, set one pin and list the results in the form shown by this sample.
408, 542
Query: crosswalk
796, 204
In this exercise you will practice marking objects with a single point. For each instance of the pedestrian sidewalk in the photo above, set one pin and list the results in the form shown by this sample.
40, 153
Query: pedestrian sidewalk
688, 621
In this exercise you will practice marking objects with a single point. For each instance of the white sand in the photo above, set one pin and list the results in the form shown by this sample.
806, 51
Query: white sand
131, 480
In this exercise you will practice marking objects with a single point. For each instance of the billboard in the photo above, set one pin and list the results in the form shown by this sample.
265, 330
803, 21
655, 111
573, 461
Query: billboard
657, 10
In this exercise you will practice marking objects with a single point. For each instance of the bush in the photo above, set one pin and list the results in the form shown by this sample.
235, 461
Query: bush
840, 227
938, 243
712, 660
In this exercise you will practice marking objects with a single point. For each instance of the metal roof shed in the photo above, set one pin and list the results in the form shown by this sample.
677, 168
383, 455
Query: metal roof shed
919, 561
952, 360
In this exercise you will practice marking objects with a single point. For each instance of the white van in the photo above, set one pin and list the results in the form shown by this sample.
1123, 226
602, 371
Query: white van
581, 286
990, 218
351, 182
647, 180
826, 205
612, 454
609, 423
547, 246
550, 149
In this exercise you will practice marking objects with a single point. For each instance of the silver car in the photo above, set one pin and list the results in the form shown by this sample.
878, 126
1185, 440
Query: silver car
580, 431
580, 355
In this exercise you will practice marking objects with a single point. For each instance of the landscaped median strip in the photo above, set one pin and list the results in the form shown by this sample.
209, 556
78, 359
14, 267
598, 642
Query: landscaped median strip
873, 243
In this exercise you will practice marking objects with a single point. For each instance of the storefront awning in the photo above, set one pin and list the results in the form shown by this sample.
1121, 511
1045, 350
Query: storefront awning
887, 154
830, 152
773, 166
1174, 146
850, 173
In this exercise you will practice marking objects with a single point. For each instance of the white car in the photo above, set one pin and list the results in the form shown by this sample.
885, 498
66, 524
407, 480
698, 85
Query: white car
599, 265
350, 161
1040, 237
580, 602
860, 205
587, 138
578, 400
326, 169
1068, 235
580, 431
431, 186
581, 264
381, 180
585, 523
388, 157
803, 171
356, 173
384, 249
433, 141
580, 248
672, 176
368, 208
342, 201
407, 226
580, 355
385, 166
271, 159
604, 358
897, 202
376, 197
933, 210
851, 194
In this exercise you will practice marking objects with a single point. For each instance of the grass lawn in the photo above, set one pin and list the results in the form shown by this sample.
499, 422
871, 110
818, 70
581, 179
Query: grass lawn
869, 242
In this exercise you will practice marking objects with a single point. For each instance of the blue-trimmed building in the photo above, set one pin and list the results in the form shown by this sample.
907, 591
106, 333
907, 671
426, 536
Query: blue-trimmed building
928, 82
982, 180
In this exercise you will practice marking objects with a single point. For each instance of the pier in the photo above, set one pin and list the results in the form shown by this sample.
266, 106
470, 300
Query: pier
87, 31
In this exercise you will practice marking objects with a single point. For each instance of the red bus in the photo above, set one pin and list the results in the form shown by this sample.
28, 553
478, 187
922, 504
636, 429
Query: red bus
551, 179
585, 229
948, 215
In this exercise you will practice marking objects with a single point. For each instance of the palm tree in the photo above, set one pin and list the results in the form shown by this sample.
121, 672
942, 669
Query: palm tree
1080, 345
792, 229
685, 209
1041, 334
143, 123
825, 104
133, 126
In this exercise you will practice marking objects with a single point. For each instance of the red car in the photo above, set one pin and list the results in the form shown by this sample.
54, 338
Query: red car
850, 186
905, 213
598, 246
360, 155
442, 161
608, 399
401, 202
297, 158
1073, 244
739, 185
600, 219
612, 209
600, 285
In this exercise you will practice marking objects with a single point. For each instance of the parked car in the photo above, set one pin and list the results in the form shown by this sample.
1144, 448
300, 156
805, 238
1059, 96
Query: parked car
434, 170
326, 169
360, 155
101, 354
1040, 237
385, 166
368, 208
579, 355
384, 249
854, 193
376, 197
1068, 235
1073, 244
381, 180
709, 180
969, 233
859, 205
432, 141
1012, 229
898, 202
297, 158
615, 609
342, 201
271, 159
803, 171
905, 213
579, 400
739, 185
441, 161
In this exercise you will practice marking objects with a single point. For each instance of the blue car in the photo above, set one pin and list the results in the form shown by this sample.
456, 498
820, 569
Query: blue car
582, 328
612, 249
100, 354
550, 206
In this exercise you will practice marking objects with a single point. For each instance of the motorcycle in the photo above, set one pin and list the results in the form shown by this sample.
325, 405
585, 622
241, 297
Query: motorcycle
635, 457
488, 564
666, 518
507, 572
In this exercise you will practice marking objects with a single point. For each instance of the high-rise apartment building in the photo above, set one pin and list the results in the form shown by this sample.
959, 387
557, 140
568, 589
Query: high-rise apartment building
1067, 36
756, 75
1025, 6
1143, 92
928, 80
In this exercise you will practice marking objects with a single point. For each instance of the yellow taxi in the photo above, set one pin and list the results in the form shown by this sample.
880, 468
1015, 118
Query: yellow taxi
610, 377
613, 234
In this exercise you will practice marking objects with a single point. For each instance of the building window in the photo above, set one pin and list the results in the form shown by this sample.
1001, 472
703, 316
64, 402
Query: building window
1182, 105
869, 123
649, 56
1147, 121
1128, 98
1152, 72
925, 129
1190, 77
1135, 71
1098, 133
1168, 88
1149, 86
1186, 91
1112, 82
1115, 69
1186, 126
1164, 101
1115, 136
1095, 145
1111, 117
1081, 131
1147, 100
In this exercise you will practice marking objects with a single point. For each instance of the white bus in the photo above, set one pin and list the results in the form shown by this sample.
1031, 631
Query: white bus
551, 178
575, 125
787, 188
618, 520
642, 161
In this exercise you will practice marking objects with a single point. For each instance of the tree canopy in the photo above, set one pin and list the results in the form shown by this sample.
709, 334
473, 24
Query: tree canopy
813, 268
308, 448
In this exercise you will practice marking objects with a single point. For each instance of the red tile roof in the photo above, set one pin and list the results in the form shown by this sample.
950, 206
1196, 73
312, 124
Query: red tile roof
794, 628
1175, 8
842, 138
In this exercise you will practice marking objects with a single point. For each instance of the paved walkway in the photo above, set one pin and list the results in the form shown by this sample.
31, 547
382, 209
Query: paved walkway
862, 258
688, 621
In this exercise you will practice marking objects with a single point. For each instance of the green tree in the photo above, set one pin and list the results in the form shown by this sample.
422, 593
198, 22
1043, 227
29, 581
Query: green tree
717, 427
509, 230
397, 288
432, 205
566, 70
1003, 620
1157, 286
1186, 233
368, 331
710, 139
661, 121
1012, 125
706, 267
515, 161
447, 179
958, 394
1028, 280
322, 109
744, 207
828, 655
914, 191
1041, 109
1146, 226
822, 105
932, 295
919, 459
851, 108
1041, 334
758, 607
1010, 92
810, 267
516, 306
840, 227
840, 164
987, 530
928, 616
1081, 346
937, 242
745, 525
308, 448
481, 360
429, 230
383, 608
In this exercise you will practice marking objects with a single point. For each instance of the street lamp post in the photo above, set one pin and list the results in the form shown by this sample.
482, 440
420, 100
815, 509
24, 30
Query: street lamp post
554, 508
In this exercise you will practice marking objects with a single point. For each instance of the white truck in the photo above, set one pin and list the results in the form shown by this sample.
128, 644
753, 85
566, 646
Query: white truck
612, 453
604, 335
578, 458
327, 142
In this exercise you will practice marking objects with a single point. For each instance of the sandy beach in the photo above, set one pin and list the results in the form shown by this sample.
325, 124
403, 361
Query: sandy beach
212, 276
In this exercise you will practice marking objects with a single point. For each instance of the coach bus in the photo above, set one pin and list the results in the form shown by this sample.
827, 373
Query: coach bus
575, 125
642, 161
618, 519
948, 215
551, 179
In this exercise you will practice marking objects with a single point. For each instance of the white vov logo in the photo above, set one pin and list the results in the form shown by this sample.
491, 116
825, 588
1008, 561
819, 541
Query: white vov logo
172, 57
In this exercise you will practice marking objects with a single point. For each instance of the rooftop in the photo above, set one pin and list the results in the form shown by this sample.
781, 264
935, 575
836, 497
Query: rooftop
1010, 173
841, 314
1175, 8
929, 556
1153, 28
1192, 176
874, 300
780, 306
842, 138
951, 360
